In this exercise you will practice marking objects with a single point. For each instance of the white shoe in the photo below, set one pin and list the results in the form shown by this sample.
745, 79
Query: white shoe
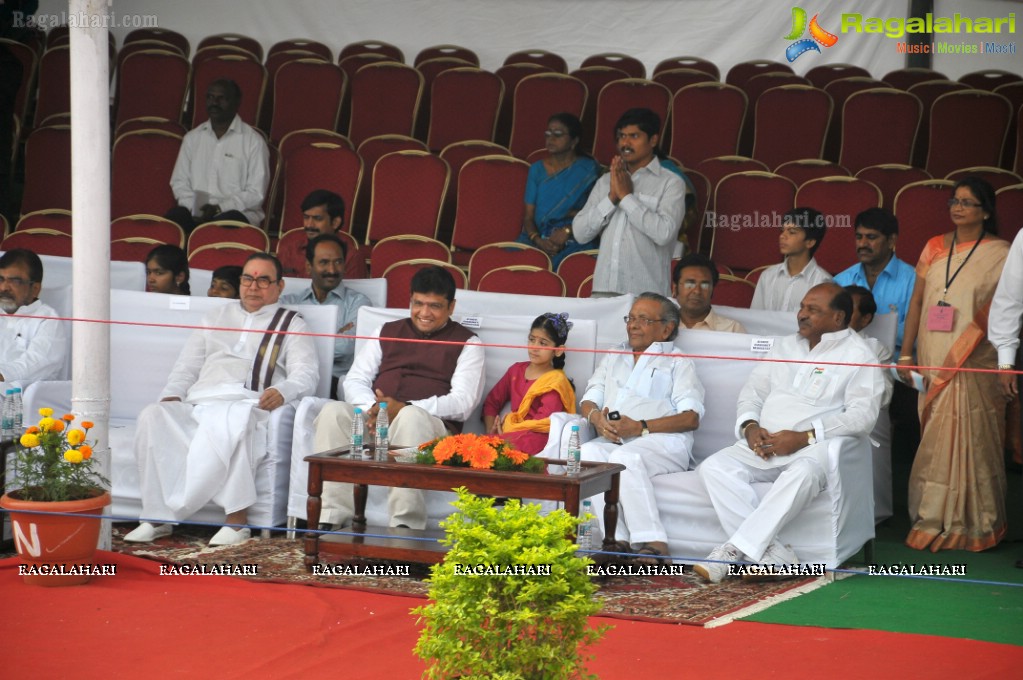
147, 533
229, 536
773, 564
715, 572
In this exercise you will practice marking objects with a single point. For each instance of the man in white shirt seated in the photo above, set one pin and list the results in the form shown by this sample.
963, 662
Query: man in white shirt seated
787, 414
223, 168
781, 287
206, 436
695, 277
644, 406
430, 389
30, 349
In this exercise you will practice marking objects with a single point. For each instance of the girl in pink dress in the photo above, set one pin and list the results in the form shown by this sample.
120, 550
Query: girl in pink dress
536, 388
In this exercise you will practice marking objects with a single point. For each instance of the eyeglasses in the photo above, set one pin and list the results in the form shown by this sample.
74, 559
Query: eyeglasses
558, 134
642, 319
689, 285
262, 282
965, 202
15, 281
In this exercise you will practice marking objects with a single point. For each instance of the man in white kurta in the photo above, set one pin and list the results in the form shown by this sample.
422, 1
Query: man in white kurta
644, 405
206, 436
30, 348
787, 415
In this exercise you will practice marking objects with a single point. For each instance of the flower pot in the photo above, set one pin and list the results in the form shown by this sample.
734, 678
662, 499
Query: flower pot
54, 542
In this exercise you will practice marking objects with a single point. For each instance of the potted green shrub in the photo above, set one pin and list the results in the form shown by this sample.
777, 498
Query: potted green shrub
512, 598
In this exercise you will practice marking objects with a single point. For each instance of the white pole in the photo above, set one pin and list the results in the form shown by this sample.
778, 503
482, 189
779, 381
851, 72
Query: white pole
90, 205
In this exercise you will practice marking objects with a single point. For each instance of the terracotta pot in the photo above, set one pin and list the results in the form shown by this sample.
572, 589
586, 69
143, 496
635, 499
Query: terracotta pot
48, 543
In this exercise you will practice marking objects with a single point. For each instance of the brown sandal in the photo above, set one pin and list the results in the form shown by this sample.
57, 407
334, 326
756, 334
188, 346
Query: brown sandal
648, 556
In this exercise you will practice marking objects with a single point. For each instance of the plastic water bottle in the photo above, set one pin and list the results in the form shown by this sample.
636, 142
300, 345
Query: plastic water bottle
574, 455
8, 415
584, 534
382, 442
18, 411
358, 431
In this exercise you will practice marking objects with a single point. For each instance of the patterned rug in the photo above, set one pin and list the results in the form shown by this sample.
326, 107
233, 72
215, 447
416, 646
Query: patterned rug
683, 599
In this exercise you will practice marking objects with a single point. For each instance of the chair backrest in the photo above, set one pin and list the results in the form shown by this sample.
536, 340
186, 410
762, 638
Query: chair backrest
618, 97
249, 74
39, 241
505, 254
54, 94
717, 168
215, 255
29, 64
806, 169
577, 267
370, 151
385, 100
490, 207
747, 218
226, 231
399, 278
953, 145
927, 92
153, 227
733, 291
464, 104
890, 178
1013, 139
48, 169
879, 126
585, 288
165, 35
511, 75
694, 63
742, 72
395, 249
53, 219
236, 40
922, 209
595, 78
786, 108
706, 120
1010, 211
290, 250
301, 44
319, 166
996, 177
840, 199
150, 123
294, 109
537, 98
152, 83
132, 248
521, 280
692, 224
457, 155
631, 65
677, 78
408, 191
142, 164
905, 78
840, 90
390, 51
820, 76
554, 62
273, 64
989, 79
430, 69
437, 51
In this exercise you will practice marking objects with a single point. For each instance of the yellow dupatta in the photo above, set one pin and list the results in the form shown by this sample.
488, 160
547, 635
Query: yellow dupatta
551, 381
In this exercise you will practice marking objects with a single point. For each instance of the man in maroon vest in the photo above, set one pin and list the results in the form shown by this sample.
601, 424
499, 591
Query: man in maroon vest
429, 390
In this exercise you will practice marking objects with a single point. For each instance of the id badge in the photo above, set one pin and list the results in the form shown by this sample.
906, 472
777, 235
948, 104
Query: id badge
939, 318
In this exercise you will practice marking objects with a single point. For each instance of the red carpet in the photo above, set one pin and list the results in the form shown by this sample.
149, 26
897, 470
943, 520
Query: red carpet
140, 624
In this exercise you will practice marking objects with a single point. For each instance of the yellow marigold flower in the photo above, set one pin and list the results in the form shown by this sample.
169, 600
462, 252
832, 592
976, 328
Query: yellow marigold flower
58, 426
32, 430
73, 456
75, 437
88, 424
46, 412
29, 440
86, 451
68, 417
46, 424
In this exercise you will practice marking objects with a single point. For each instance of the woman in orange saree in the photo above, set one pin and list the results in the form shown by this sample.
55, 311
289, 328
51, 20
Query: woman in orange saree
957, 484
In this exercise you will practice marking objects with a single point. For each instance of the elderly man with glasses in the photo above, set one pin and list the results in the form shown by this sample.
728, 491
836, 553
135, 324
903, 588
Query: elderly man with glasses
644, 401
204, 439
30, 348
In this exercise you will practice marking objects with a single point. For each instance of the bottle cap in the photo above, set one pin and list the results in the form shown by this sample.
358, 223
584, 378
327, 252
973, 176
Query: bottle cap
358, 410
575, 428
383, 405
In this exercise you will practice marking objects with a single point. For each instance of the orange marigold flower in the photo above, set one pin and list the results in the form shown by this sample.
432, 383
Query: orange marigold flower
88, 424
479, 455
444, 450
58, 426
516, 456
86, 451
68, 417
32, 430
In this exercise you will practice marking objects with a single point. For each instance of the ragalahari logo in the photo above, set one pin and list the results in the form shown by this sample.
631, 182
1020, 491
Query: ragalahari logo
817, 35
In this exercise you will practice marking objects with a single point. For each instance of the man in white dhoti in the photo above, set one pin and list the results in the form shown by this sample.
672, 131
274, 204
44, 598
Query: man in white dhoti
206, 436
644, 406
787, 412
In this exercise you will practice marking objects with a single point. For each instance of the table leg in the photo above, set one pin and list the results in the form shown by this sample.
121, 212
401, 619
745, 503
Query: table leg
611, 513
312, 510
361, 491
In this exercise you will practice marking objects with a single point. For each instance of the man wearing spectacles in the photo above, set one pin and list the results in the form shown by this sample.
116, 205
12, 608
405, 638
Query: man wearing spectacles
30, 349
204, 439
644, 404
695, 277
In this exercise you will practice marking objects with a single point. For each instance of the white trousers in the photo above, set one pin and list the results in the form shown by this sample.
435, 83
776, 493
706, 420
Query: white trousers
643, 458
750, 523
411, 427
189, 455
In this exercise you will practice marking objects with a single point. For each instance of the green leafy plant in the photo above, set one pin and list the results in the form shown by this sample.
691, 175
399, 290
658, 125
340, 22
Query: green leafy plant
489, 620
55, 461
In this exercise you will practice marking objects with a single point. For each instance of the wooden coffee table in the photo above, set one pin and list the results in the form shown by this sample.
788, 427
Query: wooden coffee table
409, 544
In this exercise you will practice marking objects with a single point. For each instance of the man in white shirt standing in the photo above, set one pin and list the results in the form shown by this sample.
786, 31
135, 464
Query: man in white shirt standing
787, 414
636, 208
1006, 316
781, 287
30, 349
223, 167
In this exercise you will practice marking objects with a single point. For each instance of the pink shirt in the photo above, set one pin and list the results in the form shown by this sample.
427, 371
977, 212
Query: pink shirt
512, 387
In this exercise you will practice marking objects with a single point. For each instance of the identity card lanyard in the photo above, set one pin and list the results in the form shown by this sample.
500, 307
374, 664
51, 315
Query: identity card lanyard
941, 316
948, 265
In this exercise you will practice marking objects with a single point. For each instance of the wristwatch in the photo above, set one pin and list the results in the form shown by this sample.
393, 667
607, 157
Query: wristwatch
810, 439
646, 429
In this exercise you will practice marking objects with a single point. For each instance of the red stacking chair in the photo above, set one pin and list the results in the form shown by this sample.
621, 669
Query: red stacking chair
295, 241
742, 72
536, 99
47, 220
927, 92
922, 209
394, 249
294, 109
820, 76
521, 279
301, 44
695, 63
209, 52
785, 109
319, 166
1018, 164
840, 199
905, 78
1010, 211
54, 94
249, 74
390, 51
151, 227
152, 83
677, 78
29, 64
235, 40
399, 279
614, 100
5, 227
490, 207
456, 51
464, 104
585, 288
385, 99
506, 254
511, 75
142, 164
806, 169
39, 241
754, 276
954, 145
632, 66
408, 191
132, 248
430, 69
575, 268
274, 62
989, 79
716, 169
215, 255
48, 169
143, 46
297, 138
693, 222
890, 178
840, 90
150, 123
754, 87
166, 35
733, 291
594, 78
747, 218
879, 126
370, 151
706, 120
550, 60
59, 35
228, 231
1014, 93
351, 65
457, 155
996, 177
